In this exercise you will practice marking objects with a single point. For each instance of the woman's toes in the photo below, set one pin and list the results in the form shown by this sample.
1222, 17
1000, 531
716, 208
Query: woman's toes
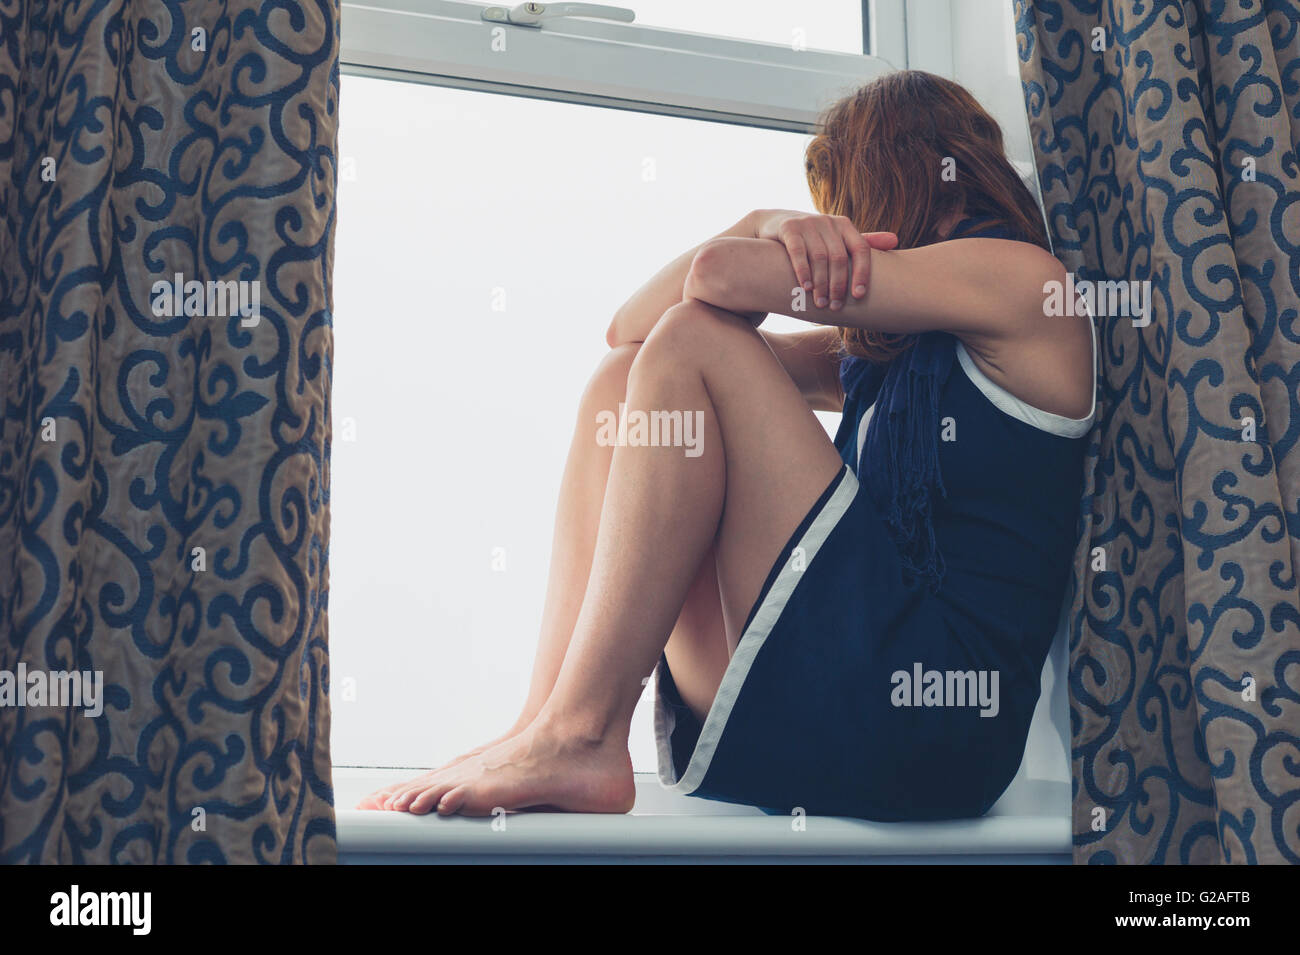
451, 802
398, 798
426, 800
376, 799
402, 801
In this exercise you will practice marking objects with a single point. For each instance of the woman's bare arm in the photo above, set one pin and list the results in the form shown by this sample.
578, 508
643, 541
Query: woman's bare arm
976, 287
828, 253
640, 313
989, 292
830, 257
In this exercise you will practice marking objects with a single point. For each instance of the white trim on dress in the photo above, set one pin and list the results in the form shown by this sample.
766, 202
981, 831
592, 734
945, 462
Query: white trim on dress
751, 642
1008, 403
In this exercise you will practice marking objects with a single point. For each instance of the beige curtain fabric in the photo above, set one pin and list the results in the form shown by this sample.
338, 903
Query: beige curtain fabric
1166, 139
167, 178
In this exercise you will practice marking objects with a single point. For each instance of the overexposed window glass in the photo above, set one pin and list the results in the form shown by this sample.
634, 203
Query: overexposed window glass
834, 25
483, 244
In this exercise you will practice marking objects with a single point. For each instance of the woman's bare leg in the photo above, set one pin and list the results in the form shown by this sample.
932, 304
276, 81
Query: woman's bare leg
765, 462
698, 640
697, 649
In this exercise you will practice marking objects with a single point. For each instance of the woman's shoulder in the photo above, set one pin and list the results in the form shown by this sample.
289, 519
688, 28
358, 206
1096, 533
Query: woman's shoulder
1050, 367
1037, 359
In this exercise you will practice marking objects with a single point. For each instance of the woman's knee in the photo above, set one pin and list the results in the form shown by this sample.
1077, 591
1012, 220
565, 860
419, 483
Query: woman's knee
608, 383
692, 332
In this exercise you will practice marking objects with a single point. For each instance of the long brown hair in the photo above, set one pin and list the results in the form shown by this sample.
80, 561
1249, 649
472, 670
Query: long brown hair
879, 159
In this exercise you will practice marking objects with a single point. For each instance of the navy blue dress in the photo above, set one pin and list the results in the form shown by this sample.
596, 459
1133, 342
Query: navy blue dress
892, 662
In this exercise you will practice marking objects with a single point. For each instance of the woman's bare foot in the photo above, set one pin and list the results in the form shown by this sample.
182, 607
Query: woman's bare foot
541, 767
379, 798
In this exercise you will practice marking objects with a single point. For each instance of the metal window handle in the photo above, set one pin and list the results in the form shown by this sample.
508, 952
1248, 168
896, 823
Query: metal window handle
534, 14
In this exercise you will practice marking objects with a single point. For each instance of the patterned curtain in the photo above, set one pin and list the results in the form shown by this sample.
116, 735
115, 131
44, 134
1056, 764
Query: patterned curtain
167, 178
1166, 138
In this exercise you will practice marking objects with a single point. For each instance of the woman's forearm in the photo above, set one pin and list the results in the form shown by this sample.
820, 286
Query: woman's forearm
639, 314
973, 287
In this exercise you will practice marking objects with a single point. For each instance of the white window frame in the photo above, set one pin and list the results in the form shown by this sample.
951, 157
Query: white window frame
625, 66
913, 34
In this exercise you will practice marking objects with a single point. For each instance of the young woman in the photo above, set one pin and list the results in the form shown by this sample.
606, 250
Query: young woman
853, 627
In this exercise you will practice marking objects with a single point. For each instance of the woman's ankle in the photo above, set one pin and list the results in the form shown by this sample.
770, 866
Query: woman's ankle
525, 719
584, 728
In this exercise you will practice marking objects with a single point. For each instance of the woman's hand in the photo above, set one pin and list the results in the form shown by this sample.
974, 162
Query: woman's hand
826, 252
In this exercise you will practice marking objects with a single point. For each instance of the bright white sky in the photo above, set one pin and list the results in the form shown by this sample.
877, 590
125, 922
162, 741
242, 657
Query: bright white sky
483, 244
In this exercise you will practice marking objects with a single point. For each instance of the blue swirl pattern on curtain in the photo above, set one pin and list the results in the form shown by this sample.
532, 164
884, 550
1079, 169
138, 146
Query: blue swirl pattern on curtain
131, 149
1166, 140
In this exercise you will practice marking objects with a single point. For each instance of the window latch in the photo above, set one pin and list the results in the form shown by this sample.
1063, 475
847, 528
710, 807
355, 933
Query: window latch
535, 14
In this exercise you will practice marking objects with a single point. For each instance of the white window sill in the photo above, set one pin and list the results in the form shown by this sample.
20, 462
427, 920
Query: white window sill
1030, 824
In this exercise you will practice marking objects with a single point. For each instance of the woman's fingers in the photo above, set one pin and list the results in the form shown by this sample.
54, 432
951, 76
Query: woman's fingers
859, 250
797, 249
884, 242
820, 257
831, 259
837, 261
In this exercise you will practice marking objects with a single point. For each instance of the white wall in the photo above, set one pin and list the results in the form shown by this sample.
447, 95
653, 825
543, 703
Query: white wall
984, 60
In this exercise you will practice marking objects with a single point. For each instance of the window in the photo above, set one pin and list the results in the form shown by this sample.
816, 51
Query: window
601, 62
503, 189
474, 280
